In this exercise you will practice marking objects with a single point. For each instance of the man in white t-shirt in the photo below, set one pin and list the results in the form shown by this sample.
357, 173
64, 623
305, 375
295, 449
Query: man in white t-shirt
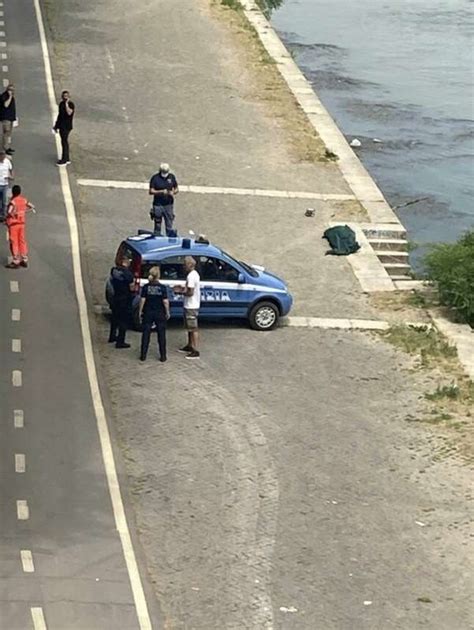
192, 301
6, 175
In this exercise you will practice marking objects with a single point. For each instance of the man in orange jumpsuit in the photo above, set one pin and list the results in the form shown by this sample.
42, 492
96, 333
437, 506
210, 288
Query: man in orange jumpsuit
15, 220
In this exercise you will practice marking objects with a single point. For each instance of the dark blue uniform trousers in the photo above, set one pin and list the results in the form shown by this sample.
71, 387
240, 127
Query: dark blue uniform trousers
148, 320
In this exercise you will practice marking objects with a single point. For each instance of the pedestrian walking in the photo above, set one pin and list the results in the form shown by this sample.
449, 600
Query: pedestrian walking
154, 311
16, 223
192, 301
6, 176
63, 125
122, 285
7, 117
164, 188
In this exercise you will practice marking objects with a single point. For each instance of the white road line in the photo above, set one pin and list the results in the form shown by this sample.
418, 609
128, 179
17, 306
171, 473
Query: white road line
20, 462
3, 56
2, 33
6, 82
2, 23
103, 430
16, 345
17, 379
16, 314
3, 44
22, 510
38, 618
14, 286
18, 418
27, 561
215, 190
4, 68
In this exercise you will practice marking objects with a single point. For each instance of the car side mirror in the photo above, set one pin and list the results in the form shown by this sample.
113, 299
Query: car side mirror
241, 278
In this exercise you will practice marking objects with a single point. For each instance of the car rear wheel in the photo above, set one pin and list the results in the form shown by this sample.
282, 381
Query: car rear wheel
264, 316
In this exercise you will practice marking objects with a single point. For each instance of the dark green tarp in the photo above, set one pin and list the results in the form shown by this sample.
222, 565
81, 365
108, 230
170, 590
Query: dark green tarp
342, 240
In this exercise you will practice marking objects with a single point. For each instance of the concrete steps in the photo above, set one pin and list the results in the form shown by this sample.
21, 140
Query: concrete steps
389, 243
396, 244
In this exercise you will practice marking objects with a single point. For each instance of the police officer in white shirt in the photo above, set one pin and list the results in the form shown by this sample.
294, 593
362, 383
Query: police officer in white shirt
192, 301
6, 175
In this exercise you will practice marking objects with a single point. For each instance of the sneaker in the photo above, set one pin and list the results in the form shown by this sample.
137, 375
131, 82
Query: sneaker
111, 339
24, 263
162, 359
194, 354
185, 349
61, 163
142, 358
12, 265
10, 151
122, 345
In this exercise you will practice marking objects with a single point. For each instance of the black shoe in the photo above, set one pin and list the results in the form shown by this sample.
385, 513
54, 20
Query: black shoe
122, 345
162, 359
111, 339
10, 151
185, 349
142, 358
194, 354
61, 163
24, 263
12, 265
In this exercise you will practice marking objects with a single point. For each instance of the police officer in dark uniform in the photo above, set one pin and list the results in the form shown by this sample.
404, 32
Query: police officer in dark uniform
154, 310
122, 285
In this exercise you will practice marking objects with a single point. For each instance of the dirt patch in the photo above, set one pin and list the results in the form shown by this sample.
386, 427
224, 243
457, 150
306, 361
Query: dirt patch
449, 393
269, 88
399, 307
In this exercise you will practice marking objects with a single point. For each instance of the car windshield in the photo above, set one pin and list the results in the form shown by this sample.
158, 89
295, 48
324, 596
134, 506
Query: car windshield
250, 270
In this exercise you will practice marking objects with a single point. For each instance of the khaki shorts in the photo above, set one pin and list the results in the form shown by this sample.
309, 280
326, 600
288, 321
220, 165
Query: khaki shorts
191, 318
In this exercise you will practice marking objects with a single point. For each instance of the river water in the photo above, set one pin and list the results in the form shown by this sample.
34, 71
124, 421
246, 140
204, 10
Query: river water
399, 71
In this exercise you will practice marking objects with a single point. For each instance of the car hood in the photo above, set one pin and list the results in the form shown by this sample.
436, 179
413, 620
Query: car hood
269, 279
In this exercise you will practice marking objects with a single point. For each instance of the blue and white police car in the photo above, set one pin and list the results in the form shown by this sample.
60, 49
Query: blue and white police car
229, 288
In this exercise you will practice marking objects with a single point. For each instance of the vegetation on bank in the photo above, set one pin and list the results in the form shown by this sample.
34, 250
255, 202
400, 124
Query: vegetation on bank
451, 267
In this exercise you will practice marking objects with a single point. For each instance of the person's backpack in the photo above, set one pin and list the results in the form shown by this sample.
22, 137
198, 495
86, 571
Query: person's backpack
342, 240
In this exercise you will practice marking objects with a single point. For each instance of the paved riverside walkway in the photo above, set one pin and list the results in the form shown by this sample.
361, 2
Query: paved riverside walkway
275, 482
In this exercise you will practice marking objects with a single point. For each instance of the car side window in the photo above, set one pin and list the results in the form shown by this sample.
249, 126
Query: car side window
217, 270
172, 268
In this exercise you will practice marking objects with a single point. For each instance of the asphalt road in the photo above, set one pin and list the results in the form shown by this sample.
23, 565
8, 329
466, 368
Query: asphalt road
80, 579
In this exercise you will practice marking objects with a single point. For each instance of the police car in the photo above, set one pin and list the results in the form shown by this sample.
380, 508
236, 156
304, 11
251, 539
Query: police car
229, 287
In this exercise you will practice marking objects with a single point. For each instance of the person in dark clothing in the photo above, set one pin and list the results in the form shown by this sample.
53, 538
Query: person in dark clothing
122, 284
7, 118
163, 187
154, 310
63, 125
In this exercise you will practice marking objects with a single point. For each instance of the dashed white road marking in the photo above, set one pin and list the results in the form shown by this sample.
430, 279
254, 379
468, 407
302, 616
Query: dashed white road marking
2, 33
121, 524
17, 378
6, 82
3, 44
16, 314
38, 618
217, 190
2, 23
14, 286
27, 561
18, 418
4, 68
16, 345
20, 463
3, 56
22, 510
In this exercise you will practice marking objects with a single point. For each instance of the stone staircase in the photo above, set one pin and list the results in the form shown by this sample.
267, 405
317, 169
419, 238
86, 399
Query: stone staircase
389, 242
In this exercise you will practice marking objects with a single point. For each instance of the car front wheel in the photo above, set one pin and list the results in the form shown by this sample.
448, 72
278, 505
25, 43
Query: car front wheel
264, 316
